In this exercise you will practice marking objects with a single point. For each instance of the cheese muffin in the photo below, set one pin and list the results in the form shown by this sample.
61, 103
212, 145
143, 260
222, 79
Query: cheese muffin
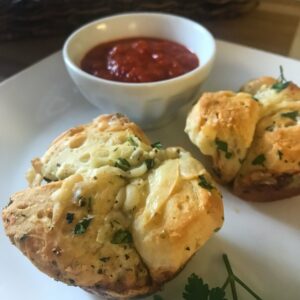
252, 137
111, 213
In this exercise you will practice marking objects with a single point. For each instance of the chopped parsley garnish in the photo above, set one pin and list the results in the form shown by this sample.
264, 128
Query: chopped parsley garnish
223, 146
197, 289
204, 183
282, 82
69, 217
132, 141
157, 145
259, 160
149, 163
121, 236
123, 164
280, 154
291, 114
82, 225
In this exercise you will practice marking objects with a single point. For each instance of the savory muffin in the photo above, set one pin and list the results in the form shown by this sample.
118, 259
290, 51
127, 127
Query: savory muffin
271, 170
265, 116
222, 126
102, 200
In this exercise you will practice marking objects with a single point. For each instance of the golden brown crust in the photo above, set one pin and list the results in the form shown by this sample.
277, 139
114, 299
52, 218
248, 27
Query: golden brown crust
78, 228
253, 86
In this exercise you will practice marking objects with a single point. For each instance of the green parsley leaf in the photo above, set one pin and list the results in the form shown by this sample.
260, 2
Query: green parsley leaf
223, 146
282, 83
279, 86
69, 217
149, 163
121, 236
204, 183
291, 114
132, 141
157, 145
259, 160
123, 164
82, 225
217, 294
195, 288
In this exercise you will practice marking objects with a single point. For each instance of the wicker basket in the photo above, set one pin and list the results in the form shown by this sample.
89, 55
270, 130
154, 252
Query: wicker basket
36, 18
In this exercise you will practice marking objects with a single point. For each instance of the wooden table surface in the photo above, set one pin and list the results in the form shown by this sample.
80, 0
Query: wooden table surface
274, 26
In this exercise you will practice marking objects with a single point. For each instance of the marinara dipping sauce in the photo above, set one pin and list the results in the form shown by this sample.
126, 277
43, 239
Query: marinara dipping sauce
139, 60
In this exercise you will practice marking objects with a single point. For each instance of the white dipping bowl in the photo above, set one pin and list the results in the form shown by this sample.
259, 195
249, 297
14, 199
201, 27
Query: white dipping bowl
148, 104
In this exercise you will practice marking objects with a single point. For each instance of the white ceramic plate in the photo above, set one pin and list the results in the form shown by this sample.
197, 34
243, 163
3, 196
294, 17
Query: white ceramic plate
262, 240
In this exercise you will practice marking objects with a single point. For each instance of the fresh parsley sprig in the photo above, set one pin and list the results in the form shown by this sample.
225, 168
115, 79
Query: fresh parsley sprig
196, 289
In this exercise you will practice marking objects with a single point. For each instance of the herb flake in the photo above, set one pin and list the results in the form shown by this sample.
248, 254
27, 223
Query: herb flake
259, 160
122, 164
204, 183
122, 236
223, 146
69, 217
82, 225
291, 114
132, 141
157, 145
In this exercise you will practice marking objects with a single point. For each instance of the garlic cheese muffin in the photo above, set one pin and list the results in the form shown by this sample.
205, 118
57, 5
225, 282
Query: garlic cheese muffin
111, 213
253, 137
222, 126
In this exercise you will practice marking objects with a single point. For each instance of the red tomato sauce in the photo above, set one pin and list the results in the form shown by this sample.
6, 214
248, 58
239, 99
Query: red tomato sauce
139, 60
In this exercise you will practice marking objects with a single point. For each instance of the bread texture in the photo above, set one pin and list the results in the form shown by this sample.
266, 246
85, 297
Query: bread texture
261, 137
116, 216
